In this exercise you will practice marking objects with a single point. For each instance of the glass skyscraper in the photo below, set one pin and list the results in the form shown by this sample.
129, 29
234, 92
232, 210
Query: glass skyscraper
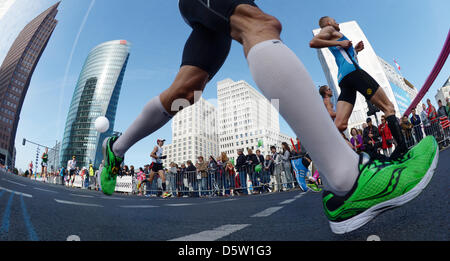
96, 94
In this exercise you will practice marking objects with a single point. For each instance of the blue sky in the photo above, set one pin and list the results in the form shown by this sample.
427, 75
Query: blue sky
412, 31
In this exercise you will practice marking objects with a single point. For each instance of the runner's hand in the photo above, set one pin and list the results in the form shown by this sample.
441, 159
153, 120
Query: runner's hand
345, 44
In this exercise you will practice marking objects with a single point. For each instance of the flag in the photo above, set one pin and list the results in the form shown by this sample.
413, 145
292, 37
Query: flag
396, 64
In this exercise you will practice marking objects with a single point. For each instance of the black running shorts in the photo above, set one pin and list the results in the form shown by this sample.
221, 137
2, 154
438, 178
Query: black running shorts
357, 81
155, 167
209, 43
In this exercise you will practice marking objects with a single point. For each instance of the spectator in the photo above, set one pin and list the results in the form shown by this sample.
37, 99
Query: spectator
432, 116
426, 122
278, 168
287, 167
184, 184
407, 131
387, 140
252, 161
140, 177
267, 172
202, 169
416, 122
448, 106
371, 138
192, 176
91, 176
62, 175
241, 169
171, 179
230, 175
131, 173
125, 171
260, 162
442, 110
356, 140
212, 171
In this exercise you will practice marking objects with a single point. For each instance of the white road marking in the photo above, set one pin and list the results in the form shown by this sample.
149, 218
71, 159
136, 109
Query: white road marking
77, 203
289, 201
14, 182
73, 238
16, 192
179, 205
83, 196
267, 212
46, 190
113, 198
212, 235
140, 206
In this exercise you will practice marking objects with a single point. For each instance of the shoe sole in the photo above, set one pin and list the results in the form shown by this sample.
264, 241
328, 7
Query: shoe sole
366, 216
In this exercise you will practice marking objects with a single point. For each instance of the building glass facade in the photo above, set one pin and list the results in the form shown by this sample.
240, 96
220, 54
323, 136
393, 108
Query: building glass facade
96, 94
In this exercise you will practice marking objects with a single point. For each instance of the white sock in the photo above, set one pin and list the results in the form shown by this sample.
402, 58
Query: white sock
279, 74
152, 118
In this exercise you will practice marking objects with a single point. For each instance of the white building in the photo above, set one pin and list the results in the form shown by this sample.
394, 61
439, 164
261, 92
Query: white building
443, 92
403, 90
246, 119
368, 60
194, 133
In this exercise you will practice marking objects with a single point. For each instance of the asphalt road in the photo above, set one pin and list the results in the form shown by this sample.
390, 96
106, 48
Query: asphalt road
34, 211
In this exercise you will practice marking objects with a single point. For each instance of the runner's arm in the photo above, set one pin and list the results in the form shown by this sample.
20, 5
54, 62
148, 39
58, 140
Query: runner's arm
322, 40
153, 154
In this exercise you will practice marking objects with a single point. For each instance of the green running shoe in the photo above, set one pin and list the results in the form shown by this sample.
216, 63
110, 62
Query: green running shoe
111, 168
314, 187
382, 185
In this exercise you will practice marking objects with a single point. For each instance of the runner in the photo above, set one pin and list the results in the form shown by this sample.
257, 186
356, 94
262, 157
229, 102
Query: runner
353, 79
157, 166
354, 194
72, 167
44, 164
30, 168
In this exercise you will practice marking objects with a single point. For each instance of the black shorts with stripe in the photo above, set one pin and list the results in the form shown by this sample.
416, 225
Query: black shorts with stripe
155, 167
209, 43
357, 81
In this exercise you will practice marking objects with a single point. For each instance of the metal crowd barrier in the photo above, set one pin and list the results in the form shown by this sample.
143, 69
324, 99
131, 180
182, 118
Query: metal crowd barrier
222, 182
440, 129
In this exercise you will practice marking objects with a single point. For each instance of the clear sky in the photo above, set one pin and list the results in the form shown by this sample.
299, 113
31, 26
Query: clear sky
411, 31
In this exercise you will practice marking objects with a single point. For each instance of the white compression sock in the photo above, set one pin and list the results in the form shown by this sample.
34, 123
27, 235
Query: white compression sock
153, 117
281, 75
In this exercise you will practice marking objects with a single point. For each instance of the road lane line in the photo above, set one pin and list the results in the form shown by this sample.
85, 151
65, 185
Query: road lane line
17, 183
140, 206
113, 198
180, 205
16, 192
4, 229
267, 212
77, 203
212, 235
31, 232
46, 190
289, 201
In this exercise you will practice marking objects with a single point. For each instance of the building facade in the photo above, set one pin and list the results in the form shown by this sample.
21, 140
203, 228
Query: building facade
15, 76
246, 119
53, 157
96, 94
368, 60
404, 91
194, 134
443, 93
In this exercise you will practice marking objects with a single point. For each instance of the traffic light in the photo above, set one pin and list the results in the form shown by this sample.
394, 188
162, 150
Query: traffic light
23, 142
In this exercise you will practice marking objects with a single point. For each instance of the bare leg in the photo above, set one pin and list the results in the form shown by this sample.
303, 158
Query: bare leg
343, 112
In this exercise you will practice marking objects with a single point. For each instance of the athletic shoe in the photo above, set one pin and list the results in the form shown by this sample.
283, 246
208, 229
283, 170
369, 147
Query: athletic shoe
166, 195
314, 187
382, 185
111, 169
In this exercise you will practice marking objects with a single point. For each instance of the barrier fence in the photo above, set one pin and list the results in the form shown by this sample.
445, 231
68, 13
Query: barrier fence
245, 180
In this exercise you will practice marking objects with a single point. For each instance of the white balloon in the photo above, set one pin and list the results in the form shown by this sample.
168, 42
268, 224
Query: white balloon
102, 124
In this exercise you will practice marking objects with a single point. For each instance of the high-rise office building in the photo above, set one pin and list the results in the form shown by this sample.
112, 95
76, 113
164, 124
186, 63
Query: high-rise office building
194, 134
403, 90
443, 93
15, 76
246, 118
368, 60
96, 94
